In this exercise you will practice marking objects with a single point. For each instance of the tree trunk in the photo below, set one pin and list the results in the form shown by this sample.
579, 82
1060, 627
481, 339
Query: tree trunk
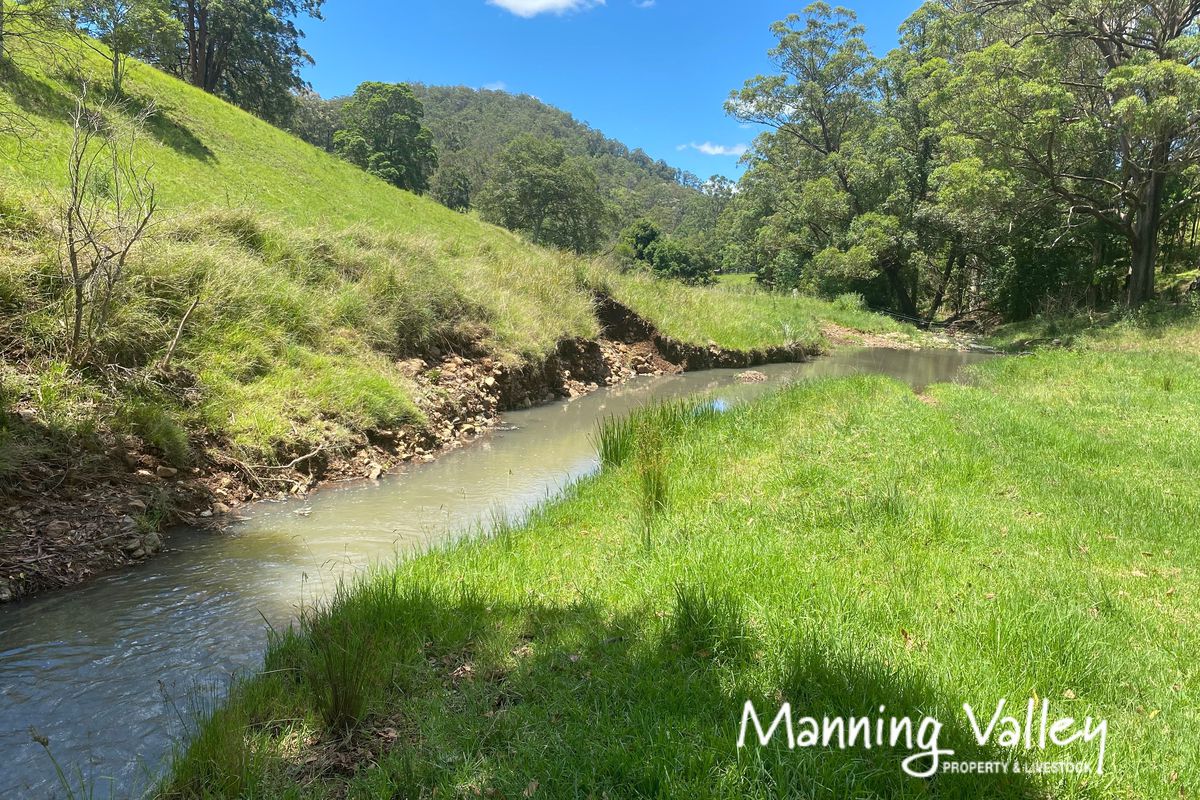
197, 43
116, 73
904, 300
1143, 239
940, 296
3, 14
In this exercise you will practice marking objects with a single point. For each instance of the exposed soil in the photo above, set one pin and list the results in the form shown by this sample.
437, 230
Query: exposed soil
846, 337
64, 523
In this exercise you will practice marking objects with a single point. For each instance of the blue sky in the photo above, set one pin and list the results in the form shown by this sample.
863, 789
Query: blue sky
652, 73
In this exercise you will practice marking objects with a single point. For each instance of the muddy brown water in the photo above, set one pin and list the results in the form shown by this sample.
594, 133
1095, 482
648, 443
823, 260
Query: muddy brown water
106, 670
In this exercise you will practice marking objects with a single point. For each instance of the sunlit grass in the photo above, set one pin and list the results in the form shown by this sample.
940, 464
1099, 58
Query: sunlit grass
311, 280
742, 320
842, 545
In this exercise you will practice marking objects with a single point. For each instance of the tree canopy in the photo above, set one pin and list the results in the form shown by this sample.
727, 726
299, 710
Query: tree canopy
554, 199
1007, 154
126, 27
382, 132
247, 51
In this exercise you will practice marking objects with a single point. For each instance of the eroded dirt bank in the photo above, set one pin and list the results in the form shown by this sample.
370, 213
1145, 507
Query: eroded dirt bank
63, 524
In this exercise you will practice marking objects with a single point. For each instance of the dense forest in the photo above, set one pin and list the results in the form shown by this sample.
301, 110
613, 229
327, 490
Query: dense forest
1007, 156
470, 127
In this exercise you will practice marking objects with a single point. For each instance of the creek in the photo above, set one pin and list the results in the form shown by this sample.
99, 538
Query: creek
109, 671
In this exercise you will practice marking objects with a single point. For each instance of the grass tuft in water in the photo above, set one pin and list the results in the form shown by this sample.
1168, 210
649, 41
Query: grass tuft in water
614, 441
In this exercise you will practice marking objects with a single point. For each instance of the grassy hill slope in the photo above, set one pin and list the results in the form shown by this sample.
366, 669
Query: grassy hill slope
312, 279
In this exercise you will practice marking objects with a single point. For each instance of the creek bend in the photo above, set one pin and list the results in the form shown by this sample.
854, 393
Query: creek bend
104, 671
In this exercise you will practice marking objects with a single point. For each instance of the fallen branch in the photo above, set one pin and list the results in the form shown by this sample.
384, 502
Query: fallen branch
296, 461
166, 361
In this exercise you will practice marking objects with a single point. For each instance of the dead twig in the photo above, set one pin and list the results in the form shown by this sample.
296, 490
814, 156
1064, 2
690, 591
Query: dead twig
166, 361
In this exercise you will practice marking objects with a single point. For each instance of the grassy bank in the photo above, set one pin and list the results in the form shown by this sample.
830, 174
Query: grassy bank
741, 319
1163, 326
841, 545
311, 280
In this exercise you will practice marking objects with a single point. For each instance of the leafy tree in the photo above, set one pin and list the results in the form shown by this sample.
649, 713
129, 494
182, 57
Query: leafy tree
824, 107
1095, 104
637, 238
535, 188
382, 132
672, 258
315, 119
127, 27
451, 185
1008, 154
246, 51
643, 243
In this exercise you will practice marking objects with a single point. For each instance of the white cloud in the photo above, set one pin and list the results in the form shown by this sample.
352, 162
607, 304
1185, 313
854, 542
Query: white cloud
710, 149
498, 86
643, 3
531, 8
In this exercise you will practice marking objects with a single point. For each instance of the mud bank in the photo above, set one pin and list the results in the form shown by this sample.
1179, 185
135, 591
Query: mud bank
63, 525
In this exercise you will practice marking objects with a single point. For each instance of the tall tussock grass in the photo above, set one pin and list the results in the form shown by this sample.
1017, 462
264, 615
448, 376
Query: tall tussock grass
616, 438
644, 439
651, 466
336, 670
614, 441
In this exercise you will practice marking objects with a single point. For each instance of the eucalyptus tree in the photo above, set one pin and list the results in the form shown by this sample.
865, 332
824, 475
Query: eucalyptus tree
534, 187
834, 219
1093, 103
125, 27
247, 51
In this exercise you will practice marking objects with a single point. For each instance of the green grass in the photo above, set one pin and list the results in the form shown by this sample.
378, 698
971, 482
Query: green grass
312, 277
1163, 327
842, 544
738, 282
739, 320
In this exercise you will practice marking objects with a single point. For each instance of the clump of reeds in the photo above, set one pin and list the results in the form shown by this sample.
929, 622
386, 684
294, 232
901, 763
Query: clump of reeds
614, 441
336, 667
653, 480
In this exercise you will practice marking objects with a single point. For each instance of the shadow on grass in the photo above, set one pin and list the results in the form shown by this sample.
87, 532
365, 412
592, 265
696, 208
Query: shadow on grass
166, 130
36, 96
573, 701
1155, 320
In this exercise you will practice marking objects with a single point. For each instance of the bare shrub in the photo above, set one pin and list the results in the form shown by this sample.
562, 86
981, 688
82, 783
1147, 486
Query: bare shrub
109, 204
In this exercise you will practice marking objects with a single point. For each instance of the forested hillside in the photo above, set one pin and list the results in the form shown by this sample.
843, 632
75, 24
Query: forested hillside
472, 126
472, 129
